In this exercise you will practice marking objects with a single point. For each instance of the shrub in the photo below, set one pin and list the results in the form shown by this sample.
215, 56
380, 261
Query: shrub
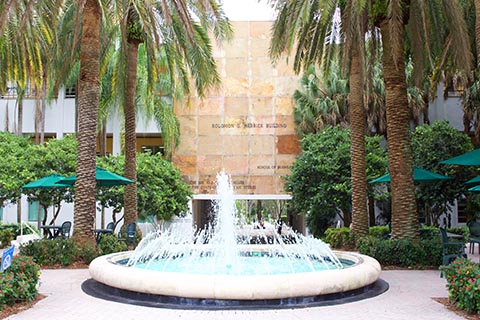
110, 244
403, 253
378, 231
51, 252
463, 283
340, 238
344, 238
6, 237
464, 231
15, 228
64, 252
87, 253
19, 282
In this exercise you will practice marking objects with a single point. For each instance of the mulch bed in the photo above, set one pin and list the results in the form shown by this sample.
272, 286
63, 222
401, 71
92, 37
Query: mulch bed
459, 312
19, 307
22, 306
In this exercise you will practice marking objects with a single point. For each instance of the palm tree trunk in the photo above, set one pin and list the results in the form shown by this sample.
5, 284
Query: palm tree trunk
400, 159
357, 147
44, 110
130, 193
20, 133
477, 32
88, 96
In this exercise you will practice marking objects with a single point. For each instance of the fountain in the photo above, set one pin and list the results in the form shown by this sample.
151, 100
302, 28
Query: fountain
218, 267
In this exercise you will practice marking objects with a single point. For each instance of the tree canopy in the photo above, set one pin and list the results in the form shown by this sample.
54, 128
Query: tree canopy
320, 177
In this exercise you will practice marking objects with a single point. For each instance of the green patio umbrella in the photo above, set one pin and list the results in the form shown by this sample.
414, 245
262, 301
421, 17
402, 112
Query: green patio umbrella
475, 180
475, 189
104, 178
471, 158
51, 181
419, 174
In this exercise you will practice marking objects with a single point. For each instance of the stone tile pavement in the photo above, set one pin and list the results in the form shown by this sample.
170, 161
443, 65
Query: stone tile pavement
409, 297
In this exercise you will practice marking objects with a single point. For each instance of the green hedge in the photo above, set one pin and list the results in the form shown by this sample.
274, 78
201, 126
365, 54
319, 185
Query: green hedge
402, 253
340, 238
18, 283
10, 231
343, 238
15, 228
64, 252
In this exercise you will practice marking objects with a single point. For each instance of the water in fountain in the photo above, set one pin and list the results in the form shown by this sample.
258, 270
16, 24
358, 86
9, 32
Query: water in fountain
219, 250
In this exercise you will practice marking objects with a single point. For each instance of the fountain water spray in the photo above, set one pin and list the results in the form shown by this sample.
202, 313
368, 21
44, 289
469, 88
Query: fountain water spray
224, 247
232, 265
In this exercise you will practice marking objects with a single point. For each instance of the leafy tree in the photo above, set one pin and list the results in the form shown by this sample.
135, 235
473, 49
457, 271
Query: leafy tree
432, 144
320, 177
17, 166
55, 156
161, 192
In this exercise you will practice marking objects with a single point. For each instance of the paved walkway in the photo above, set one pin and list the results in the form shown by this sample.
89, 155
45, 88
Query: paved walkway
409, 297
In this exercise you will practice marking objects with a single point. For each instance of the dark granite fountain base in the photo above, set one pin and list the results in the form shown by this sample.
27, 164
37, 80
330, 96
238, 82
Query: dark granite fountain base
102, 291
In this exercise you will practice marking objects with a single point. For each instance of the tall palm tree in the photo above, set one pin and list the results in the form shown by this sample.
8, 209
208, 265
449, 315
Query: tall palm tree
88, 96
400, 164
392, 25
311, 24
184, 38
321, 101
358, 118
26, 30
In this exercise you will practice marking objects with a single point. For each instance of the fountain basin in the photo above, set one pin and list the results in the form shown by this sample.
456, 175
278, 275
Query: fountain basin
360, 272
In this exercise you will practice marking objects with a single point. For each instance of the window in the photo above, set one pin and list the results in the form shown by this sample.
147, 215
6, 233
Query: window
70, 93
33, 211
154, 149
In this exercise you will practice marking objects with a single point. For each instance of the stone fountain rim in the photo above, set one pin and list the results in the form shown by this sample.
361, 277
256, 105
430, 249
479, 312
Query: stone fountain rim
364, 272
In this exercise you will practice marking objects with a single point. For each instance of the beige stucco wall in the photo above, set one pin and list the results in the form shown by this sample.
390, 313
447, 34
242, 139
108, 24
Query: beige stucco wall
246, 127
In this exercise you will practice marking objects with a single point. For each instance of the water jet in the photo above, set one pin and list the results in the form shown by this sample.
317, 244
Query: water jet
218, 267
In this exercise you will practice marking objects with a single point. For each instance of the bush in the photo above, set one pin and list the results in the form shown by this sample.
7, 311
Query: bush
51, 252
463, 283
64, 252
110, 244
403, 253
464, 231
19, 282
6, 237
379, 231
340, 238
343, 238
15, 228
87, 253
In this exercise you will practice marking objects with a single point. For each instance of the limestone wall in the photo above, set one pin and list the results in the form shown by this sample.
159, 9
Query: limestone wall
246, 126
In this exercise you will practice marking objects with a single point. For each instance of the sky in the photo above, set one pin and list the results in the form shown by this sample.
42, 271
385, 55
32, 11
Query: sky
247, 10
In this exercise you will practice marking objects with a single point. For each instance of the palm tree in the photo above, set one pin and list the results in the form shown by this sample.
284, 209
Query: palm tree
404, 212
358, 120
321, 101
392, 26
311, 24
187, 46
88, 96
